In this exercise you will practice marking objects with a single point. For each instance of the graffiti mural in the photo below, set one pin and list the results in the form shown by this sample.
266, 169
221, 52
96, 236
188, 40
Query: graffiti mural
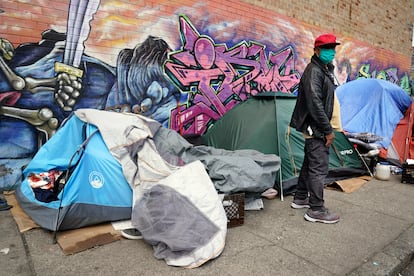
37, 92
42, 83
216, 78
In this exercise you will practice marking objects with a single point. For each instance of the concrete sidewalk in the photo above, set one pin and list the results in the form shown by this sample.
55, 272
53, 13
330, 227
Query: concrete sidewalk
374, 237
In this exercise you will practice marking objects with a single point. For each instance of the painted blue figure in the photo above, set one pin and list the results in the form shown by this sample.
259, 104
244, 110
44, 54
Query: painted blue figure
142, 86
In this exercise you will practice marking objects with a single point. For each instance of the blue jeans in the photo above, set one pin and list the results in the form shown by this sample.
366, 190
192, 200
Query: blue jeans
313, 173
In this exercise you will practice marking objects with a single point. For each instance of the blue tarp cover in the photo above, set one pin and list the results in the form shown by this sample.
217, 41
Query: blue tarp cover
372, 105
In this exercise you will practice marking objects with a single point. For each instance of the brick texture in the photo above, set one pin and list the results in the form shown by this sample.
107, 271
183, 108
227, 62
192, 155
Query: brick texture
386, 24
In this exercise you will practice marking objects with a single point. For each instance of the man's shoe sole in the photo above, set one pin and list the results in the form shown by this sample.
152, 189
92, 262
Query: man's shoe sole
311, 219
130, 237
297, 206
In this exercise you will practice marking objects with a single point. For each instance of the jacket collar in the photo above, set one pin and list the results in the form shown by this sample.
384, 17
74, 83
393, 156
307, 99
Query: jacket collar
328, 69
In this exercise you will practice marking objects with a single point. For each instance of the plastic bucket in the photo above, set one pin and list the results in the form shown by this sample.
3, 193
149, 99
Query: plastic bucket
382, 171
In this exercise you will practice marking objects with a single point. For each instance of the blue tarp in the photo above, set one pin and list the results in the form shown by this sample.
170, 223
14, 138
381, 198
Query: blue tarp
372, 105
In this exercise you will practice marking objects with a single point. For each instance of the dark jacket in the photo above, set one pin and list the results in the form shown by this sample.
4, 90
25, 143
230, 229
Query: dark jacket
314, 104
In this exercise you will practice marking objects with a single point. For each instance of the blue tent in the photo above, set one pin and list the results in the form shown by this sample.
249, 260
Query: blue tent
96, 190
372, 105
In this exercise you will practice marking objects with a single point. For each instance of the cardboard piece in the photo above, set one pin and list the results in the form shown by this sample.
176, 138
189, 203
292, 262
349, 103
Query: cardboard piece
349, 185
23, 221
77, 240
70, 241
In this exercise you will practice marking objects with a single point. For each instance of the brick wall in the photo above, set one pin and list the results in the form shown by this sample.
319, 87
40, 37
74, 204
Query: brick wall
386, 24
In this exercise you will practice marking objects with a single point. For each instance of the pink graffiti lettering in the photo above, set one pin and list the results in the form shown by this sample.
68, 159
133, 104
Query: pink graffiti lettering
216, 78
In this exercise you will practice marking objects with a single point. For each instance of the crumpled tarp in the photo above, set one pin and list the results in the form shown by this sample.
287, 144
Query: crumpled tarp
231, 171
181, 216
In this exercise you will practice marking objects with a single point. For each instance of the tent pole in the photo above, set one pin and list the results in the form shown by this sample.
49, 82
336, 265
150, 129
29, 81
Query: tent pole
278, 150
79, 151
54, 241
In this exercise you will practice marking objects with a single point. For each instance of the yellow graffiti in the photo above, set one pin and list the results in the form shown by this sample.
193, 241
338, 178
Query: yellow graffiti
363, 71
381, 75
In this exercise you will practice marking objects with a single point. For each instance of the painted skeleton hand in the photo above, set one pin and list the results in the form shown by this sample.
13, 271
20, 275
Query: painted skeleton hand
69, 85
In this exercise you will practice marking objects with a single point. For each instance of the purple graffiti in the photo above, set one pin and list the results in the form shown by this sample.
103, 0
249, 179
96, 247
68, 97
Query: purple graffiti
217, 78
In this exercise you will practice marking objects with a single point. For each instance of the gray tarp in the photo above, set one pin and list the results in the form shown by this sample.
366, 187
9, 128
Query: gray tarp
230, 171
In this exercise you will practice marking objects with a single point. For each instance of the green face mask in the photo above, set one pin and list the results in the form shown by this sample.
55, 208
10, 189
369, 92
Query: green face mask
326, 55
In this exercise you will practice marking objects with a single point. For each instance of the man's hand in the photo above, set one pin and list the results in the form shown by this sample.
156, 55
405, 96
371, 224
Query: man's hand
329, 139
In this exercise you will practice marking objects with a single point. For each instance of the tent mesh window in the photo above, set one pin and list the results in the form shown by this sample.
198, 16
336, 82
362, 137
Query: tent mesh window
234, 207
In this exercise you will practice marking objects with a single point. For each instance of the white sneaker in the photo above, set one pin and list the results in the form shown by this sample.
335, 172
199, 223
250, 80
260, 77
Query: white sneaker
132, 234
